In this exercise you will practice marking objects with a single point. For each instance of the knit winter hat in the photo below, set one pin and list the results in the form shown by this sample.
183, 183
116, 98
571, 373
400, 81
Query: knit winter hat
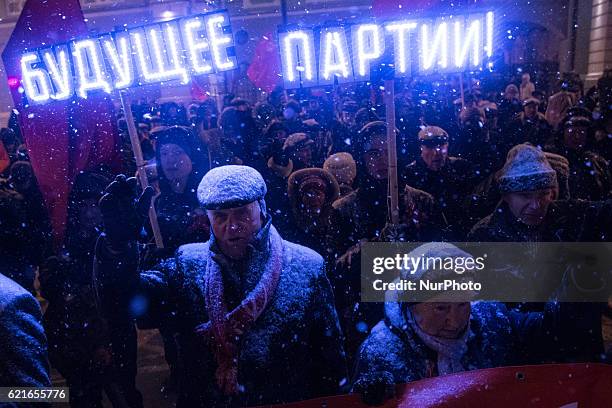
230, 186
342, 167
526, 169
429, 268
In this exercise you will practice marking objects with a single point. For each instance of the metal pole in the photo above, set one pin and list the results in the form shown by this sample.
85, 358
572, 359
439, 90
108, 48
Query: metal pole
462, 91
283, 10
126, 103
391, 145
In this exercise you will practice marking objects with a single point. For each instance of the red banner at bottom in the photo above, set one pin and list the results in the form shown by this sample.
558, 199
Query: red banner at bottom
553, 385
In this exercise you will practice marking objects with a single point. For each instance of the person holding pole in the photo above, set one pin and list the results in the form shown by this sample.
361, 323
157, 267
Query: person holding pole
254, 313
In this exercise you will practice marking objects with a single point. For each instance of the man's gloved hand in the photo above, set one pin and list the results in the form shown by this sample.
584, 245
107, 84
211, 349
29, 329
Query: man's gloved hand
123, 212
375, 388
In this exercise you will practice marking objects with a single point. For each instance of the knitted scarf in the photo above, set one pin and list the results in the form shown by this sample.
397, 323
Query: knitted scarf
226, 328
450, 351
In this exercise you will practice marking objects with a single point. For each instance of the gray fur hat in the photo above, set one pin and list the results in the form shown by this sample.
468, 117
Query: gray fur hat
230, 186
526, 169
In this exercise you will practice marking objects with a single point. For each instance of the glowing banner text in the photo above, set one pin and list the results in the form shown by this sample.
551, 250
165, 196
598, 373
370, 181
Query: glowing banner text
448, 44
168, 51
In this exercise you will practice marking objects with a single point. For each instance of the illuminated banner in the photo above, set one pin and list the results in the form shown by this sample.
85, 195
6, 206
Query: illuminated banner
167, 51
449, 44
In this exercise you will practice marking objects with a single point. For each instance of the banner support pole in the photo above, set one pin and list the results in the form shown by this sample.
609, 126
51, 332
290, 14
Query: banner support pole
462, 91
392, 150
126, 103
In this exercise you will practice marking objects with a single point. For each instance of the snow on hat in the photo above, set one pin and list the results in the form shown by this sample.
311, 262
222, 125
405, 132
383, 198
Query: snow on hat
342, 167
526, 169
300, 178
296, 141
433, 135
431, 270
230, 186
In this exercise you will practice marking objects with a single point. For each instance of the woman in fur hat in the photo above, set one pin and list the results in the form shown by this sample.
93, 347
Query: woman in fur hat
311, 194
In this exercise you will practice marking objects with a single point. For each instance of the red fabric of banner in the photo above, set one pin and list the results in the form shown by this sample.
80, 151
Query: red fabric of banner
265, 70
550, 386
62, 137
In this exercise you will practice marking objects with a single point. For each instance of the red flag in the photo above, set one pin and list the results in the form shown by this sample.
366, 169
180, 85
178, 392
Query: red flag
553, 385
198, 89
265, 70
62, 137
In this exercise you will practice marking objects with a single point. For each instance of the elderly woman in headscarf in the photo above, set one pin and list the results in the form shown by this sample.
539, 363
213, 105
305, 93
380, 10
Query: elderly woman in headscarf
440, 333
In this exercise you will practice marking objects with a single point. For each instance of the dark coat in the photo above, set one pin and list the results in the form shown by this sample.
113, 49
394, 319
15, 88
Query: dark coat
521, 130
500, 337
302, 231
589, 176
566, 221
23, 345
360, 215
449, 186
292, 352
357, 318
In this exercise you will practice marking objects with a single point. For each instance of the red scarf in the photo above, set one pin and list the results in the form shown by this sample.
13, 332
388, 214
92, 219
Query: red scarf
225, 329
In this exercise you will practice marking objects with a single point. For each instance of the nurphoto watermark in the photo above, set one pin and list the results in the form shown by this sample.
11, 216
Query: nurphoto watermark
467, 271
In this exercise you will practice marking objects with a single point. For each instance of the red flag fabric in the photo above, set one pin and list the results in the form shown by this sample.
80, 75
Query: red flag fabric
62, 137
551, 386
198, 89
265, 69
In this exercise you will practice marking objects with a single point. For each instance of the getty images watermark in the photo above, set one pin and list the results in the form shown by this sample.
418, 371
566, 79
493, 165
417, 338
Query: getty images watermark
422, 266
507, 272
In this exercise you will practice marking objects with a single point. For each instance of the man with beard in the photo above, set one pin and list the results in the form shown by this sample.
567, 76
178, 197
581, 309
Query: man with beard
254, 313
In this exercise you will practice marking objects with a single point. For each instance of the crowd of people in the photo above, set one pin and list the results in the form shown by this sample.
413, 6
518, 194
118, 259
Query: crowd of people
263, 208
